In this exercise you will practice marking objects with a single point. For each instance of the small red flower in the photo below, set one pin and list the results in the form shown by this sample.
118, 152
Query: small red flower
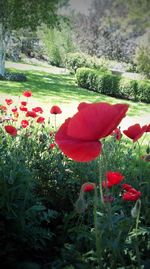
52, 145
131, 195
14, 109
31, 114
135, 131
37, 109
27, 93
78, 137
113, 178
55, 110
23, 103
24, 123
9, 101
87, 187
11, 130
126, 187
51, 133
23, 108
3, 108
117, 134
40, 119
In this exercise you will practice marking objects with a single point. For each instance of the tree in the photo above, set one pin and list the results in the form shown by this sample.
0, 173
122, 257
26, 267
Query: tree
17, 14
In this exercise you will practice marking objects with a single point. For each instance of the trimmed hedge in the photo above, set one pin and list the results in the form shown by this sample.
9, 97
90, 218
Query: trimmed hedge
113, 85
18, 77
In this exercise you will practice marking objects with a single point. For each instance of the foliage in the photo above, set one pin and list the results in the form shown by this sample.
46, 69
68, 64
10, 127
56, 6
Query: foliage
40, 221
57, 43
77, 60
114, 85
112, 28
14, 77
142, 60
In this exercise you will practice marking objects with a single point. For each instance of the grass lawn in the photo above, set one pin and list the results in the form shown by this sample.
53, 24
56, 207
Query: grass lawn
57, 89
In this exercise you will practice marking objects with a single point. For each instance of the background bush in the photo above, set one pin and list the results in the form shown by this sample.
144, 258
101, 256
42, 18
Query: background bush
113, 85
77, 60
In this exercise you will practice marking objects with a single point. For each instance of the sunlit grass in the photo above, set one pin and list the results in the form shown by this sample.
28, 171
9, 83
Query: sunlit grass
58, 89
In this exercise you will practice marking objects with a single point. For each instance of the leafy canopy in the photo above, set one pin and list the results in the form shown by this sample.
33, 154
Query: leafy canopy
15, 14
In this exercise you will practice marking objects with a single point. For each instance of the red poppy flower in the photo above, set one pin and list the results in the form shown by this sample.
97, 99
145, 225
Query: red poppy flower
24, 123
11, 130
113, 178
31, 114
14, 109
23, 108
23, 103
55, 110
87, 187
117, 134
40, 119
131, 195
27, 93
37, 109
9, 101
78, 137
135, 131
126, 187
3, 108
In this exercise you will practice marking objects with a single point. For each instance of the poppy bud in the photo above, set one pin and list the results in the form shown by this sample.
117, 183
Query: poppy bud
80, 205
136, 209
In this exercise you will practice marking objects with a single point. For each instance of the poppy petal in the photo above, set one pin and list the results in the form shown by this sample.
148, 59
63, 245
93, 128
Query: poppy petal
76, 149
94, 121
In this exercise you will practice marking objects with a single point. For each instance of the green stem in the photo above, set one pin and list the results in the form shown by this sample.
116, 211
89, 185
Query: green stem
97, 231
136, 232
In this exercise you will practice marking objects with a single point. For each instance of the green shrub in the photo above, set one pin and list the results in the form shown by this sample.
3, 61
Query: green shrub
142, 60
113, 85
77, 60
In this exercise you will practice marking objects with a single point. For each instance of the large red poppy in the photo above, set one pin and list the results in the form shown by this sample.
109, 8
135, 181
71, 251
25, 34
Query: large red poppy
147, 128
135, 131
37, 109
11, 130
40, 119
79, 136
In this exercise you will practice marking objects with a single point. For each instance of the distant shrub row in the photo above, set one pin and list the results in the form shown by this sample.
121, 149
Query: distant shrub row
18, 77
113, 85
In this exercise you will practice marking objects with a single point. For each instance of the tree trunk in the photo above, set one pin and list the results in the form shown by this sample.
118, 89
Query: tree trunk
2, 50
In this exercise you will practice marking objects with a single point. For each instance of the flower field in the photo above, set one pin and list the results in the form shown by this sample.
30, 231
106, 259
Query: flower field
75, 196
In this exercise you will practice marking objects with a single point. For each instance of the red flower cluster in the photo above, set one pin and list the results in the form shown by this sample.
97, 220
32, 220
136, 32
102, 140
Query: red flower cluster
135, 131
130, 193
79, 136
112, 178
11, 130
55, 110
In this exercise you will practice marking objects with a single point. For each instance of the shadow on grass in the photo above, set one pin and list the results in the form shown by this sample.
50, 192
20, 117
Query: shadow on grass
61, 88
